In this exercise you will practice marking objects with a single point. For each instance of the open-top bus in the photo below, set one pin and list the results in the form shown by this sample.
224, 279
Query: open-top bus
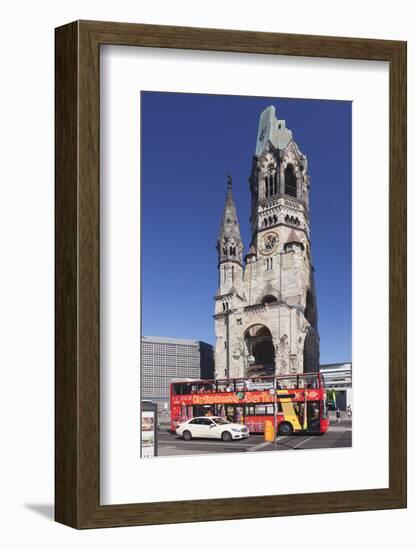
299, 402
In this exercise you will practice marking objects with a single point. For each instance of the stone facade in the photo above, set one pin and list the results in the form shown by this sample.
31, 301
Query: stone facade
265, 306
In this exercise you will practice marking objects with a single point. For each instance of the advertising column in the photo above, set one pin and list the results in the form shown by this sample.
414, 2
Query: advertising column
149, 424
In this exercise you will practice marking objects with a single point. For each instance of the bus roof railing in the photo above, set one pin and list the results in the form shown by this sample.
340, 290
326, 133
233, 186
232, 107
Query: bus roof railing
228, 380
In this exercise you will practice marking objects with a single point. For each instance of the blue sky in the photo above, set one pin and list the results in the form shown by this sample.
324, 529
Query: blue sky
190, 142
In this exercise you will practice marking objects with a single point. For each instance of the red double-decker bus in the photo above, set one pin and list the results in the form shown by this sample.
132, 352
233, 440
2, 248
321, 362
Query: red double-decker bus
299, 402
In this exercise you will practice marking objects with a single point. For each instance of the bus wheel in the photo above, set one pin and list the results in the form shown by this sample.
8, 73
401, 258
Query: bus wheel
186, 435
285, 428
226, 436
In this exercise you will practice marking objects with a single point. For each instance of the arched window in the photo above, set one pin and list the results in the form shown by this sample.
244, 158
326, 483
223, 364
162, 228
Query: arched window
290, 181
269, 299
270, 183
275, 218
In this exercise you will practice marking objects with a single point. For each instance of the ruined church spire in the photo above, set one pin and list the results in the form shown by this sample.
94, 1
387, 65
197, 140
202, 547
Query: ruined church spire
229, 243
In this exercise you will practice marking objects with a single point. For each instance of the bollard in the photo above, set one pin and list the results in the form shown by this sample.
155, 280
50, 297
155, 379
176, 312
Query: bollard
269, 432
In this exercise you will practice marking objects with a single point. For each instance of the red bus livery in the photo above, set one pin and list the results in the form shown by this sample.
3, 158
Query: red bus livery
299, 402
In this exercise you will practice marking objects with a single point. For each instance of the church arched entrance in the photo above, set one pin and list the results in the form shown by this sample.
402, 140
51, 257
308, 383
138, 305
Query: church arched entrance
258, 340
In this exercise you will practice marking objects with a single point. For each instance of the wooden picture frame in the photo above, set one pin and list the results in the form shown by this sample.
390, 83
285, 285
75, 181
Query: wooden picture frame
77, 404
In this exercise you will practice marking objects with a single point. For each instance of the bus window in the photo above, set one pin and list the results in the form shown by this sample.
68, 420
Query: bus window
261, 384
181, 389
286, 383
267, 410
204, 410
222, 385
206, 387
299, 411
262, 410
231, 413
308, 381
249, 385
254, 410
324, 409
249, 410
313, 409
311, 381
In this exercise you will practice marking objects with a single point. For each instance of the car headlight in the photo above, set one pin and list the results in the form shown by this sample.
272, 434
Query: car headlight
236, 430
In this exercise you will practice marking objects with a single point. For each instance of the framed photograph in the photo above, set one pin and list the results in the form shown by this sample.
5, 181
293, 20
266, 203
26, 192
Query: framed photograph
230, 274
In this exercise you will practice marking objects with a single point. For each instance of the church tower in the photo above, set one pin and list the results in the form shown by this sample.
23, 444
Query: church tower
230, 248
265, 313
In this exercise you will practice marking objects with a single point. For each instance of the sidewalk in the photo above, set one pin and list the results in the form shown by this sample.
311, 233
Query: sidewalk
345, 420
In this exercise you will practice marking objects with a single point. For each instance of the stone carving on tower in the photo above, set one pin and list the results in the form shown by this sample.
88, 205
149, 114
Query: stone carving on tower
265, 306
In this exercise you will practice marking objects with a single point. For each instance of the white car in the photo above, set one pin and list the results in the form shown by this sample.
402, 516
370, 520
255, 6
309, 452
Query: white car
214, 427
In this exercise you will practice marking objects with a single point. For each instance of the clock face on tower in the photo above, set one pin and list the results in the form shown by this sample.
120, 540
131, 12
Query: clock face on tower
268, 243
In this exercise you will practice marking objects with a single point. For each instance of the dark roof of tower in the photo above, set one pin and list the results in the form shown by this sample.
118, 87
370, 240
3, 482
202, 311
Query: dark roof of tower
230, 224
292, 237
252, 251
268, 289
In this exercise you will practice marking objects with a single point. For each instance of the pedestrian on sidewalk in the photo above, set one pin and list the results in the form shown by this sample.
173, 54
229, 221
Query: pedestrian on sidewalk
338, 415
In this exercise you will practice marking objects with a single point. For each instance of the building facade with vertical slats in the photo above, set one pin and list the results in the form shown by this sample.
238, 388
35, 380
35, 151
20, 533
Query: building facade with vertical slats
163, 359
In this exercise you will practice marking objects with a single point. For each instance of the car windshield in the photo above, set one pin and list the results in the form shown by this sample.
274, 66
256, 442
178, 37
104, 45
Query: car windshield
219, 420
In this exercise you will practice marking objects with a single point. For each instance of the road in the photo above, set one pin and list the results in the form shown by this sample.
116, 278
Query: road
338, 435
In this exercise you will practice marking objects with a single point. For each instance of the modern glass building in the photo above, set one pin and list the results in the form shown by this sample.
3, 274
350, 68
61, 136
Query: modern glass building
338, 380
163, 359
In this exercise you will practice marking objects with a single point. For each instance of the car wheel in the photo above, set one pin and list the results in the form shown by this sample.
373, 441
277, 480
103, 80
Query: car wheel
226, 436
285, 428
187, 435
